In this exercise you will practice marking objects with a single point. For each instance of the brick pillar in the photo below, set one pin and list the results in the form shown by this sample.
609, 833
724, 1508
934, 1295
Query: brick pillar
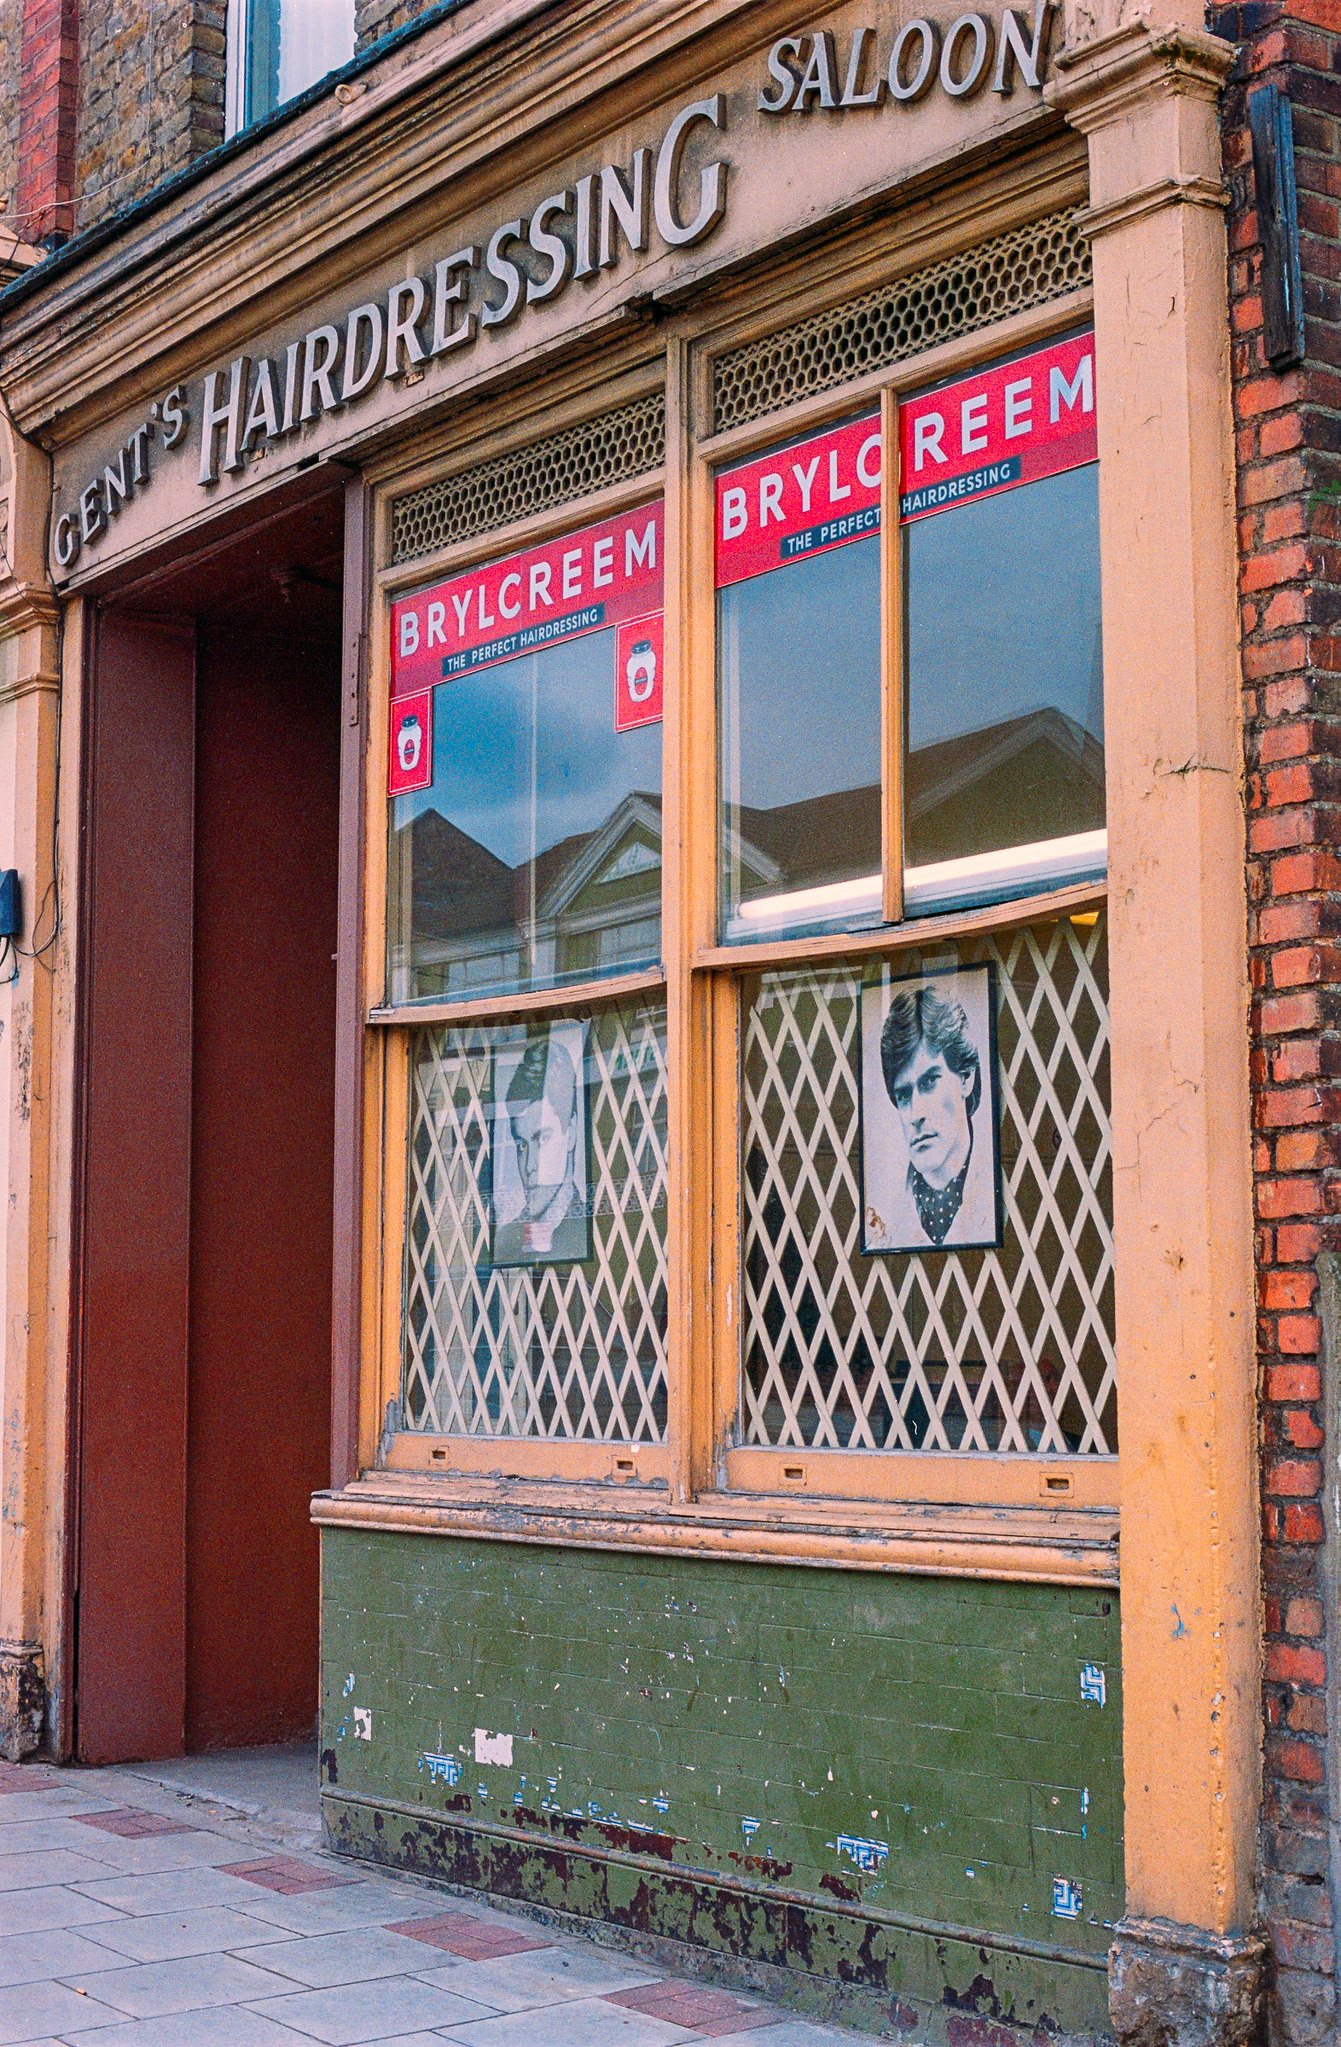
44, 198
1288, 430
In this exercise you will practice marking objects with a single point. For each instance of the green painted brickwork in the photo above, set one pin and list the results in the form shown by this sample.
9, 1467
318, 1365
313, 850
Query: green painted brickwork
753, 1722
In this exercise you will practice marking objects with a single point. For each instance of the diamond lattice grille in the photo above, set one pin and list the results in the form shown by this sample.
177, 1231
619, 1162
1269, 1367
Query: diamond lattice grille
573, 1351
1027, 267
1005, 1350
628, 441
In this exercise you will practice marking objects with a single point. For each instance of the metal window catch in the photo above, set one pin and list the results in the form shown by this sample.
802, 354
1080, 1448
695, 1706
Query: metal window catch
1272, 126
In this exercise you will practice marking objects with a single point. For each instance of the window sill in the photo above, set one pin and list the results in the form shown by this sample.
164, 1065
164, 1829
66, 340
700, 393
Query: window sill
1054, 1545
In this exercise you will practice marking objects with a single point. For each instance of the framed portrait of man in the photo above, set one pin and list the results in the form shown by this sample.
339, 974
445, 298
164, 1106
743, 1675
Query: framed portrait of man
539, 1149
930, 1112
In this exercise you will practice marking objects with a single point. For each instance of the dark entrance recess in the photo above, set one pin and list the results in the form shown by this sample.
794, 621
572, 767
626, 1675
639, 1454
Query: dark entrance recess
207, 1037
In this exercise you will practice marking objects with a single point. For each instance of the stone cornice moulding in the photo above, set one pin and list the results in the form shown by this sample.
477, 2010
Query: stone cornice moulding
349, 172
1098, 83
25, 605
1172, 191
196, 282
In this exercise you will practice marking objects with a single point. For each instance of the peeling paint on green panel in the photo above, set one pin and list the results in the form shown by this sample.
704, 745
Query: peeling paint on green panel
856, 1777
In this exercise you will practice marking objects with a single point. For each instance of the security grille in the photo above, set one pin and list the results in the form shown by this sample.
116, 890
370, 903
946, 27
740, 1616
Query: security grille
1008, 1350
567, 1351
625, 442
1026, 267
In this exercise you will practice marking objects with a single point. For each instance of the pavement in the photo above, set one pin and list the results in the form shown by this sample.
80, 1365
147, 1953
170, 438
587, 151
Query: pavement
189, 1904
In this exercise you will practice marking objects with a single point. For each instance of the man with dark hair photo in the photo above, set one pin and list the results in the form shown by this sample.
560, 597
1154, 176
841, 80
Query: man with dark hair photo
544, 1128
935, 1186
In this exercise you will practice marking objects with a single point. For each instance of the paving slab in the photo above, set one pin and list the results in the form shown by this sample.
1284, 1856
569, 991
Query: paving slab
359, 2012
323, 1960
172, 1920
30, 2009
591, 2021
336, 1911
549, 1976
46, 1866
166, 1892
34, 1957
152, 1990
229, 2025
47, 1906
164, 1936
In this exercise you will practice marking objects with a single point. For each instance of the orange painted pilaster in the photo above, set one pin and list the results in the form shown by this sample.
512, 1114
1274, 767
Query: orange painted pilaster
29, 1457
1146, 100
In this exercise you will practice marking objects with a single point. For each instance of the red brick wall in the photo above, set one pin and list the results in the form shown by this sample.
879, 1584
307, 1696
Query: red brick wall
1288, 431
43, 206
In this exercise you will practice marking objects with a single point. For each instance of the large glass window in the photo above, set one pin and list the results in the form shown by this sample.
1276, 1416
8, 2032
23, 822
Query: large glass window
810, 1184
277, 48
1003, 787
535, 1257
525, 767
873, 1321
798, 652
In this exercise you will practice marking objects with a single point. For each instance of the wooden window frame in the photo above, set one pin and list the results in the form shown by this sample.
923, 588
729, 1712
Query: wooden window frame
1038, 1516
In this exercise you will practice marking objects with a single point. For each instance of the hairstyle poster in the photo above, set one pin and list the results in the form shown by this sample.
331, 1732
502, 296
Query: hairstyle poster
540, 1176
930, 1164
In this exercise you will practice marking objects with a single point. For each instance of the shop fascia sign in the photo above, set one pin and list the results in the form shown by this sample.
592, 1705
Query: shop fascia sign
579, 232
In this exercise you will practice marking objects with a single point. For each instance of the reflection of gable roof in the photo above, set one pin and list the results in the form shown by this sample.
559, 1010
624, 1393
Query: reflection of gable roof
951, 767
457, 884
814, 835
460, 886
558, 882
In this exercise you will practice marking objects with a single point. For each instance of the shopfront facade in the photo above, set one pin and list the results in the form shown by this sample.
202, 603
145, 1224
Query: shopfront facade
631, 637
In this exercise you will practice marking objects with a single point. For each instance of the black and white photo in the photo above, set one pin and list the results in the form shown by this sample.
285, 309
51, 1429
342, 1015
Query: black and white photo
929, 1152
540, 1208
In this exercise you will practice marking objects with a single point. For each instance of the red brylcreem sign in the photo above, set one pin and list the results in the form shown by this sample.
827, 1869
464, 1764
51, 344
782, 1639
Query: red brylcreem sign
583, 583
1023, 420
819, 493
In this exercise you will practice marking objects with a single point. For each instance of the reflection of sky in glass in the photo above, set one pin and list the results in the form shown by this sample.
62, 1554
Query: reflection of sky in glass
482, 756
1003, 609
804, 641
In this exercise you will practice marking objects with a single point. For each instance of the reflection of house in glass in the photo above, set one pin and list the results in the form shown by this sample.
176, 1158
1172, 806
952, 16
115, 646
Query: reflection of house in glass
1036, 777
589, 905
592, 903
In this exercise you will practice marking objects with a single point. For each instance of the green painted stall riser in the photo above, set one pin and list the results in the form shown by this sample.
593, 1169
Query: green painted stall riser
936, 1759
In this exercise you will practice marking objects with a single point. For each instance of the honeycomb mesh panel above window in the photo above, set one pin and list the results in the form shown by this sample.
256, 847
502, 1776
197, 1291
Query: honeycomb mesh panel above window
627, 441
1024, 268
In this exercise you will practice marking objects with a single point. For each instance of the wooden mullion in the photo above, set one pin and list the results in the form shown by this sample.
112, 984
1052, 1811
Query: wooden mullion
891, 664
677, 924
726, 1264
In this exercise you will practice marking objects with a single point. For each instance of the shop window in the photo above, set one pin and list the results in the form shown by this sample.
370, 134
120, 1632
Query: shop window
277, 48
774, 1146
870, 1324
1000, 766
798, 650
535, 1257
1002, 662
525, 844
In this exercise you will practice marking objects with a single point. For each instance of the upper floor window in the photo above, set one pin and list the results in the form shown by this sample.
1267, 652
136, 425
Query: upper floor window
277, 48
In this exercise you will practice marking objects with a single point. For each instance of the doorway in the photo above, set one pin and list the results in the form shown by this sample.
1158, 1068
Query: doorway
202, 1419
